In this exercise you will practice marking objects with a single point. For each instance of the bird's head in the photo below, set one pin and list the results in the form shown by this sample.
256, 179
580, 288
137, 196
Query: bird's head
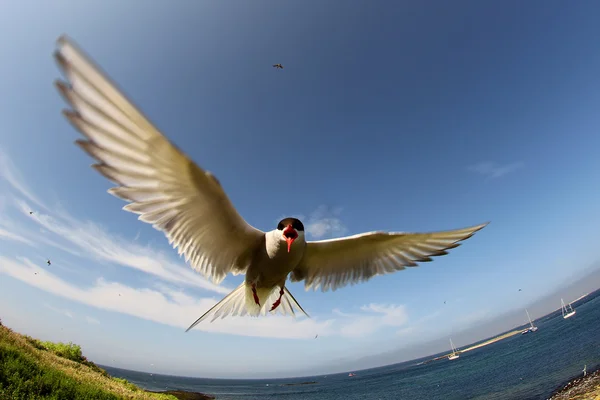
291, 230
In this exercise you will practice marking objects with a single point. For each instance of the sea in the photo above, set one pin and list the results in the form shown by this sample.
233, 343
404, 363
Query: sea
522, 367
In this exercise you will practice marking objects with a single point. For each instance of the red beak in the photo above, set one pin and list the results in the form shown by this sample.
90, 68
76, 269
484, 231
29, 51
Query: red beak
290, 235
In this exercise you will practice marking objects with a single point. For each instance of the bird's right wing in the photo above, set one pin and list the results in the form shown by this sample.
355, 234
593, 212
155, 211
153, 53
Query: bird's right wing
334, 263
163, 186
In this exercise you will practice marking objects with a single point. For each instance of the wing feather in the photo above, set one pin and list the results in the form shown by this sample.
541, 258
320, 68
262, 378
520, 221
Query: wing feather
331, 264
160, 183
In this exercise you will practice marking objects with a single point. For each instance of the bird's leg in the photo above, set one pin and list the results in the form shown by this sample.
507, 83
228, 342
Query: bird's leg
255, 295
278, 302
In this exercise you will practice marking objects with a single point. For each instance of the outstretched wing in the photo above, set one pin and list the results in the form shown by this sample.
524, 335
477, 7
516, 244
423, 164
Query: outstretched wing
162, 185
331, 264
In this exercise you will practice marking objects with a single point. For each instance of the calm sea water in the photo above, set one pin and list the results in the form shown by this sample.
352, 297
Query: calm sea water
521, 367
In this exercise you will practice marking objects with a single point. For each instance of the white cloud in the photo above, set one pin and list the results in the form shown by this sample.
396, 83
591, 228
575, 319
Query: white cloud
472, 318
375, 317
91, 321
173, 308
323, 222
92, 240
392, 315
10, 173
95, 241
64, 312
494, 170
165, 302
6, 235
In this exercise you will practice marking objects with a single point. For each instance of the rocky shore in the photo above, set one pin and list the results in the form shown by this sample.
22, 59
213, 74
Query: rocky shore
581, 388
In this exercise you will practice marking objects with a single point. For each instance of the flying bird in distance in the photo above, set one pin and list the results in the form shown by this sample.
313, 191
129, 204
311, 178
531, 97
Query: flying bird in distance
189, 205
278, 66
48, 262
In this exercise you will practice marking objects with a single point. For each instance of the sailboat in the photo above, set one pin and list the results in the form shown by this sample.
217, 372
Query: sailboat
532, 327
567, 310
454, 354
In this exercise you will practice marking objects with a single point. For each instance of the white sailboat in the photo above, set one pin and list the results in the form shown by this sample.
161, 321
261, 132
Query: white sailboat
532, 327
567, 310
454, 354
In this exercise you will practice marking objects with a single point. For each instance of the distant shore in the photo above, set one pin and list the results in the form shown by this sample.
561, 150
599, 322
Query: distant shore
476, 346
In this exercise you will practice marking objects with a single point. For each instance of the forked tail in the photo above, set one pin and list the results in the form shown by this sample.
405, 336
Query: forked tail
241, 302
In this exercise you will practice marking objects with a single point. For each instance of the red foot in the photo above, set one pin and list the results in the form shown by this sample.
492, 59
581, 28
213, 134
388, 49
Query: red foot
256, 299
278, 302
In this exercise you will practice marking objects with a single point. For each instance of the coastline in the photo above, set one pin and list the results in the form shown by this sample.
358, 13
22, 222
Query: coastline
34, 363
479, 345
183, 395
580, 388
30, 368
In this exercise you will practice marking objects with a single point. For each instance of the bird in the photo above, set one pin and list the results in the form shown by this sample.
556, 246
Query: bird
30, 212
584, 370
278, 66
48, 262
188, 204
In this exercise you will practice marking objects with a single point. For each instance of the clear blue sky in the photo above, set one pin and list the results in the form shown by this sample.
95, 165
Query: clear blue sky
387, 116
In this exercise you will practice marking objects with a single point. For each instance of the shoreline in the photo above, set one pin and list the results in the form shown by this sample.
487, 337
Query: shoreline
47, 361
580, 388
477, 346
184, 395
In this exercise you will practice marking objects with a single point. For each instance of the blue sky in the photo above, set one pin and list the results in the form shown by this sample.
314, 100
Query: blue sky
387, 116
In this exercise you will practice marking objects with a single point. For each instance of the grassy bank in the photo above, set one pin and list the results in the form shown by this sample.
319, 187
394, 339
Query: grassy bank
30, 369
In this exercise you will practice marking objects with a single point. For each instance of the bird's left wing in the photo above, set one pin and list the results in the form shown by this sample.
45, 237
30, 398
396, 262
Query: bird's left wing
331, 264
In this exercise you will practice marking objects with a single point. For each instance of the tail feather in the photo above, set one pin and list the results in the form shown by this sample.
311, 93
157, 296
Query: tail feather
240, 302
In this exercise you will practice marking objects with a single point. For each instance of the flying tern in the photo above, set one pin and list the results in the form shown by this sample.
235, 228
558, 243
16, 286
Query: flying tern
188, 204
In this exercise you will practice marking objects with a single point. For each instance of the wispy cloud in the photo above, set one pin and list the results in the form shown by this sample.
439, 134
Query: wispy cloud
11, 174
92, 240
6, 235
95, 241
91, 321
373, 318
323, 222
473, 318
64, 312
493, 170
165, 302
174, 308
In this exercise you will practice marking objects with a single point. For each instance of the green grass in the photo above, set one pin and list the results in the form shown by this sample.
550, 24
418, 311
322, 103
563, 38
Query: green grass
32, 369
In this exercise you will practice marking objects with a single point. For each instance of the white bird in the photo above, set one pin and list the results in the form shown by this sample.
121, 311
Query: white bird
188, 204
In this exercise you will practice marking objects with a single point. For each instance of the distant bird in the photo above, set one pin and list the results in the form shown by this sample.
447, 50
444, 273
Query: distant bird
48, 262
444, 302
189, 205
30, 212
584, 370
519, 290
316, 336
279, 66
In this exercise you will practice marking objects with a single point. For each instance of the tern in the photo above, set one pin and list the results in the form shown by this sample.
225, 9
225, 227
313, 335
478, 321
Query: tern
278, 66
188, 204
